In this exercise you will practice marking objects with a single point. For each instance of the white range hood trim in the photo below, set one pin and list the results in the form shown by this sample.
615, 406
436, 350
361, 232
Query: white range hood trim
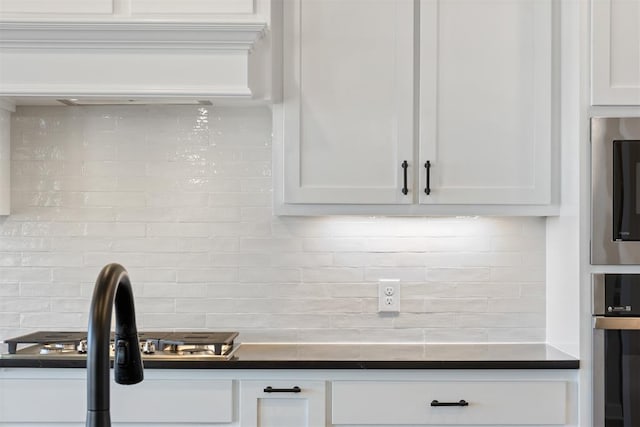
131, 59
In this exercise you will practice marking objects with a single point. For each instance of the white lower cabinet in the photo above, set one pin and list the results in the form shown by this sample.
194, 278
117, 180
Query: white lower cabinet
449, 403
169, 402
282, 403
298, 398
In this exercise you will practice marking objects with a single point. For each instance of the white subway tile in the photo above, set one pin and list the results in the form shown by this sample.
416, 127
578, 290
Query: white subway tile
518, 274
456, 305
155, 305
178, 229
115, 229
464, 274
252, 245
488, 290
9, 259
70, 305
208, 275
517, 334
172, 320
425, 320
301, 259
517, 305
75, 244
174, 290
408, 274
9, 290
328, 244
25, 304
182, 195
49, 289
353, 290
231, 259
362, 321
9, 320
500, 320
52, 320
206, 214
31, 274
332, 275
16, 244
456, 335
205, 305
269, 275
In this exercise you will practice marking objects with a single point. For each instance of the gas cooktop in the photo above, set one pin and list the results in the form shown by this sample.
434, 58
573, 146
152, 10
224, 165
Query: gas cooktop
199, 345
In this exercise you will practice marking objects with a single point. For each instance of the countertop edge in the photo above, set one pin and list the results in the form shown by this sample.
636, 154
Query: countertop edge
313, 364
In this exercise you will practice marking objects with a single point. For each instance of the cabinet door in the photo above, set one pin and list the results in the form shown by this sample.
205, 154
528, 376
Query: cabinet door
56, 7
284, 404
616, 52
485, 101
449, 403
200, 7
57, 400
347, 116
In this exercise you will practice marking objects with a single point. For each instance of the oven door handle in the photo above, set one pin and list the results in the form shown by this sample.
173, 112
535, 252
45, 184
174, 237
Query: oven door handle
616, 323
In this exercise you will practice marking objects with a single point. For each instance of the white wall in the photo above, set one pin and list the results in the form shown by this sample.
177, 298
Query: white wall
181, 196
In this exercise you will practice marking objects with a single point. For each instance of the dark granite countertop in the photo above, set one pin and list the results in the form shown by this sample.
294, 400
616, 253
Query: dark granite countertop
350, 356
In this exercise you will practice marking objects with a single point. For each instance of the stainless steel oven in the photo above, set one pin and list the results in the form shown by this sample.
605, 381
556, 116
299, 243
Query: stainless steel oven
616, 350
615, 190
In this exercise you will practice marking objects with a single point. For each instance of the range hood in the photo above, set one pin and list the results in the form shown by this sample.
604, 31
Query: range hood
82, 63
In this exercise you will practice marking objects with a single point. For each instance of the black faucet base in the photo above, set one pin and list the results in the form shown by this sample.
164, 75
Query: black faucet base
98, 419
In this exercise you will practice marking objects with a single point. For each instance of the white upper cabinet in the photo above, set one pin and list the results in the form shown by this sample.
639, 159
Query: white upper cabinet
348, 100
56, 7
149, 7
473, 99
485, 101
615, 78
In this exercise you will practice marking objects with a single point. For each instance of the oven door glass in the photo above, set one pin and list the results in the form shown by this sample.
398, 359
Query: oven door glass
626, 190
622, 378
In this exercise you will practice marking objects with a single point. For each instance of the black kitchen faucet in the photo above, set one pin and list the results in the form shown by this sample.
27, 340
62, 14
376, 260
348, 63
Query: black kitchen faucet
112, 286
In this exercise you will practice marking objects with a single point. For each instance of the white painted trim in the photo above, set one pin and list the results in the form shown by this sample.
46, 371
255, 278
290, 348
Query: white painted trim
5, 160
604, 91
131, 35
129, 59
137, 91
199, 7
283, 209
56, 7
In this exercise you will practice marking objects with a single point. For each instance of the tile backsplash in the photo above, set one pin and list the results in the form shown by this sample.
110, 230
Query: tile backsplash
181, 196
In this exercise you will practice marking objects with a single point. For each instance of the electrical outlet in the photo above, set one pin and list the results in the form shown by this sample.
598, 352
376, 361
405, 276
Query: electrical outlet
388, 296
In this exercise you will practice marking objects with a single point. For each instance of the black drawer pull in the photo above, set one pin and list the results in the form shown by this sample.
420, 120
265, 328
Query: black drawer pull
427, 188
405, 189
460, 403
270, 389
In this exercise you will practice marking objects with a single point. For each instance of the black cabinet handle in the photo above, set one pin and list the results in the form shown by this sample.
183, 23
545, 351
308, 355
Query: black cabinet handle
405, 165
427, 188
270, 389
460, 403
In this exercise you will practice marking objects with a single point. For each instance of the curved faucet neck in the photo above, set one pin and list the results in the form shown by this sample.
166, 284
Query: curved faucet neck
112, 287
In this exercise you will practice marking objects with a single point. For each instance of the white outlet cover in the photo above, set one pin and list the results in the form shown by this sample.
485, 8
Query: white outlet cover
388, 296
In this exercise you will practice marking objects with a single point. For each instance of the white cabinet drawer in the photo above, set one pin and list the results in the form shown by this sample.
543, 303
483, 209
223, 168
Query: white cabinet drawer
58, 400
489, 403
173, 401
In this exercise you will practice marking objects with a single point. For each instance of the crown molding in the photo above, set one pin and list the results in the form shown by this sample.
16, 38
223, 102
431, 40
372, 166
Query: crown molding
145, 35
133, 59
